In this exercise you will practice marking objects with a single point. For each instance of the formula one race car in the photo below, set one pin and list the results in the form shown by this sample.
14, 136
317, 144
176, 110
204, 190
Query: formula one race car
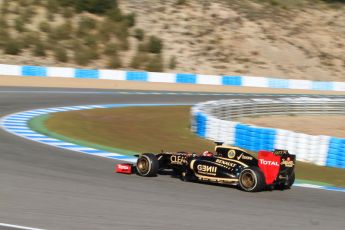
228, 165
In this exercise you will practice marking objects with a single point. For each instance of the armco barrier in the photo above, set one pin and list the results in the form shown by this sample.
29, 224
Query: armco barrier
214, 120
181, 78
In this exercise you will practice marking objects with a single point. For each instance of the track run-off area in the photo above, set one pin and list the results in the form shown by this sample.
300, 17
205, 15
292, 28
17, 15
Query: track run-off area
50, 188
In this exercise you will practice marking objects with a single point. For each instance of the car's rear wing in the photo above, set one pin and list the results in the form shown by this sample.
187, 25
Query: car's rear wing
278, 163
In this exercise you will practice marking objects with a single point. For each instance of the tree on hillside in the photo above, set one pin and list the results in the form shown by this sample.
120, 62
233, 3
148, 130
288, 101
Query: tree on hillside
92, 6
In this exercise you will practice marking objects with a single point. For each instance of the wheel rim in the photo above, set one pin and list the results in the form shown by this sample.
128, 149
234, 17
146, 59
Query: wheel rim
143, 166
247, 180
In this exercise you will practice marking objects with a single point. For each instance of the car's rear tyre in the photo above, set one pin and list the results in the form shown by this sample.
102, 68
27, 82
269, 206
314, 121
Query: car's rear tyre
288, 183
251, 179
147, 165
291, 181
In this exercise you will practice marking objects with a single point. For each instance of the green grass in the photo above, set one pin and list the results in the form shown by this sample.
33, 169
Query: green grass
152, 129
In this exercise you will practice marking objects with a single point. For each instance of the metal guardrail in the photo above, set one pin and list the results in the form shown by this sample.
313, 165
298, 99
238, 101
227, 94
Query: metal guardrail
216, 120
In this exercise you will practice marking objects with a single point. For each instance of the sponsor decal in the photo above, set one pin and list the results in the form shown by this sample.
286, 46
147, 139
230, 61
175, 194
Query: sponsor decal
269, 163
266, 162
231, 153
226, 163
125, 167
178, 160
288, 162
207, 169
279, 152
244, 157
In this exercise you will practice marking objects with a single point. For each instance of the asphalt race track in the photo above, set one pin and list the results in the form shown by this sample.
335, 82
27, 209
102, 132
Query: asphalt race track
50, 188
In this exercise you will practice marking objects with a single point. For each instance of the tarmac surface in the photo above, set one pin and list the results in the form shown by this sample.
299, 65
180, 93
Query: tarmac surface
49, 188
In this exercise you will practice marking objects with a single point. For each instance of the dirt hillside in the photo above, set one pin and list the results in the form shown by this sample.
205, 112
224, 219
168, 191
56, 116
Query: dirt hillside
245, 37
278, 38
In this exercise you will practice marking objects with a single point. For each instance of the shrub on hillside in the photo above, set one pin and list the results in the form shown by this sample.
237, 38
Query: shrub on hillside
139, 34
12, 46
121, 31
155, 64
92, 6
44, 26
95, 6
81, 57
110, 49
37, 2
130, 19
172, 62
85, 25
104, 31
90, 41
60, 54
124, 44
4, 7
181, 2
4, 35
52, 6
142, 47
68, 12
3, 21
27, 14
61, 32
155, 45
29, 39
139, 60
19, 24
39, 49
84, 55
115, 15
50, 16
114, 62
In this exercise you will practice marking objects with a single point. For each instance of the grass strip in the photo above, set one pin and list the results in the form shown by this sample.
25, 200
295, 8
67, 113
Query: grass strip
152, 129
37, 124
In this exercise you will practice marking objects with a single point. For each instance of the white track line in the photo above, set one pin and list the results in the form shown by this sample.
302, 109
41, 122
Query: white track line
18, 227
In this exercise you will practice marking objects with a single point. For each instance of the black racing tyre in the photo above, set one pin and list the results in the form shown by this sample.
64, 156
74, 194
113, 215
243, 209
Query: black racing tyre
288, 183
147, 165
251, 179
187, 176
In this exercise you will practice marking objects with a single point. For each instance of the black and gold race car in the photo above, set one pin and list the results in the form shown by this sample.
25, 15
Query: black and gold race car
227, 165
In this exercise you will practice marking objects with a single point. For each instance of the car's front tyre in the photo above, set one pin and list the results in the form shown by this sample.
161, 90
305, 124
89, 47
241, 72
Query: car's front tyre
147, 165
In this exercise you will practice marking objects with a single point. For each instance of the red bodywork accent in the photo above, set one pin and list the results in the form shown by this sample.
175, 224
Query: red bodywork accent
269, 165
124, 168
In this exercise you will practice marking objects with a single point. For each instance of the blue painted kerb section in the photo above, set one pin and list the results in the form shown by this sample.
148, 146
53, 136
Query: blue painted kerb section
201, 121
232, 80
87, 73
34, 71
336, 153
136, 76
254, 138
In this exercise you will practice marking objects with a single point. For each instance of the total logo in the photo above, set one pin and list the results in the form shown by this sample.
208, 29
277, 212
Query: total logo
125, 167
264, 162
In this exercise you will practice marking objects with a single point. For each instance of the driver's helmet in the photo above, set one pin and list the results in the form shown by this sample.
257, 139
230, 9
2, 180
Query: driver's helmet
207, 154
